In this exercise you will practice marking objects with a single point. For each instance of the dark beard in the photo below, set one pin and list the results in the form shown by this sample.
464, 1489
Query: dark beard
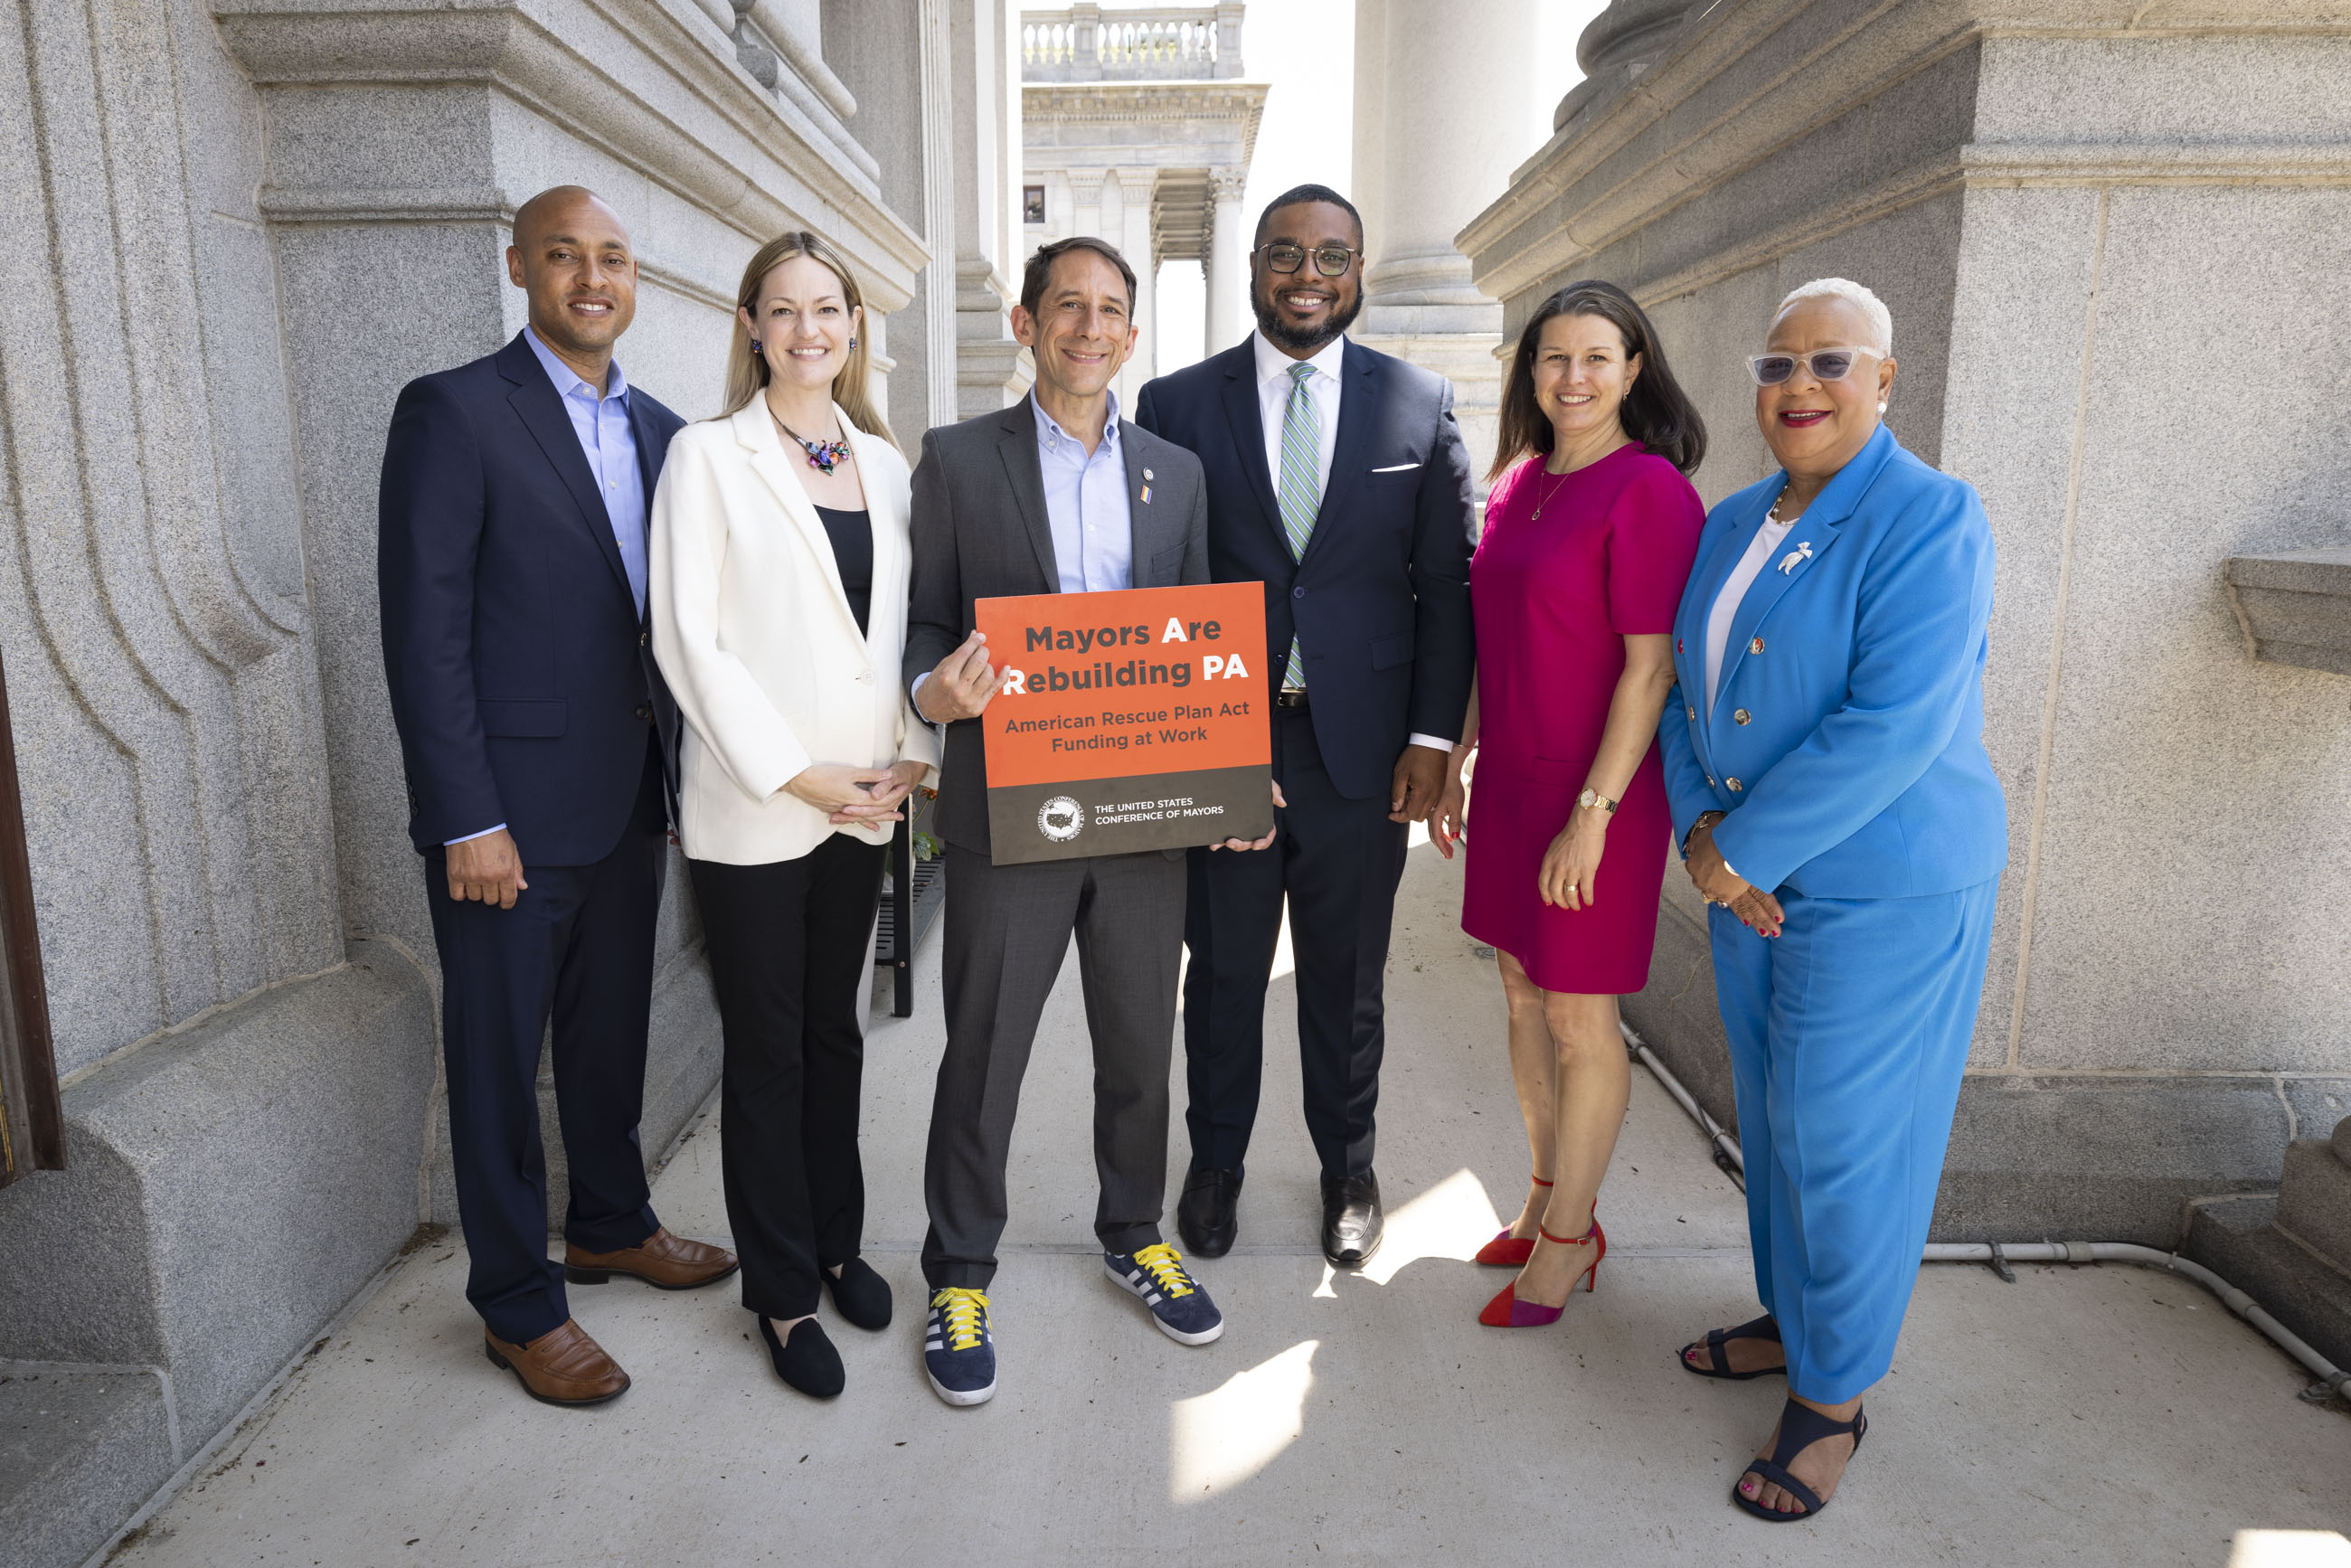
1281, 336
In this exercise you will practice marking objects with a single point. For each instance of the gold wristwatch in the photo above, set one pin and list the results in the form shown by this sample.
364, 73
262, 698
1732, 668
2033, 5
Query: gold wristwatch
1592, 797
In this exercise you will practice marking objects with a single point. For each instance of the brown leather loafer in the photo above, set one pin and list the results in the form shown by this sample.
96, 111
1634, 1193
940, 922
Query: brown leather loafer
562, 1366
668, 1262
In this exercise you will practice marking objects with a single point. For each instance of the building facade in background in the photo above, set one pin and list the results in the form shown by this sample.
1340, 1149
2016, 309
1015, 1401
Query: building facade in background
1137, 128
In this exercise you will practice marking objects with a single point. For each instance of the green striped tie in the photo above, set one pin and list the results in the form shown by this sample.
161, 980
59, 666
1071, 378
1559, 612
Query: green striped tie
1300, 491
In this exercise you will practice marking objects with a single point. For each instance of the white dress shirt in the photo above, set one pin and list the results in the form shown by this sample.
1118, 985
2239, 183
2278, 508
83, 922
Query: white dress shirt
1734, 589
1273, 384
1324, 386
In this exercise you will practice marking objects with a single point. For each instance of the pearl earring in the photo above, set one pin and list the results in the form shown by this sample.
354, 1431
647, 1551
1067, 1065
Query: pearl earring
1881, 408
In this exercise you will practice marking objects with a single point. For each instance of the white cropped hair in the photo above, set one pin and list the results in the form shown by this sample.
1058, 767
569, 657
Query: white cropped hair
1881, 320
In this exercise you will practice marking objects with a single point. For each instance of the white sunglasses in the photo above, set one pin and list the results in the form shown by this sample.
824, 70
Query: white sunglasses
1825, 364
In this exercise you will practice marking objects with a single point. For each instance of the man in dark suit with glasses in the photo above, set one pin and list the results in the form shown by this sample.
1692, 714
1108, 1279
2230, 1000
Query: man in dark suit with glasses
1336, 476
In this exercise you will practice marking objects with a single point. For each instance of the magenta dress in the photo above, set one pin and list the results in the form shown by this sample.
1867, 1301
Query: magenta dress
1555, 596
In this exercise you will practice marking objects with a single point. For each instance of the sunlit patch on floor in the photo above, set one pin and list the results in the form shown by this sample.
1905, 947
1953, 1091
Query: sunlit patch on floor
1223, 1437
2289, 1549
1451, 1220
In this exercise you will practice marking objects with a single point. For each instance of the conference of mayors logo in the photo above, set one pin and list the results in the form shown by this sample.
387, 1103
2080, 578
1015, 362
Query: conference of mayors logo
1060, 818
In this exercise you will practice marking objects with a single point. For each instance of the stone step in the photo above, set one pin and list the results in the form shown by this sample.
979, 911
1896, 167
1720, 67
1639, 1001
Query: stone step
81, 1449
2315, 1194
2239, 1240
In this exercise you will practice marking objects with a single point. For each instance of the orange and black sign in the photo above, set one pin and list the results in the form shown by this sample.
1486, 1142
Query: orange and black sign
1127, 721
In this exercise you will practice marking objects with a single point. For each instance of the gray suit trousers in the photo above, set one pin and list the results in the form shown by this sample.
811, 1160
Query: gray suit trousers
1007, 930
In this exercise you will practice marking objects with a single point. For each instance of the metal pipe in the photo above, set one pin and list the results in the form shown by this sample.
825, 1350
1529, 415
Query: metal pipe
1725, 1146
1994, 1254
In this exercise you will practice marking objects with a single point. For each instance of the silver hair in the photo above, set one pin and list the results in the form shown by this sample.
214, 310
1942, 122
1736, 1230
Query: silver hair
1881, 320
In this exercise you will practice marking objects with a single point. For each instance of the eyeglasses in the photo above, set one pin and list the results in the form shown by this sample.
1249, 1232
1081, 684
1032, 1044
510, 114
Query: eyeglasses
1330, 260
1825, 365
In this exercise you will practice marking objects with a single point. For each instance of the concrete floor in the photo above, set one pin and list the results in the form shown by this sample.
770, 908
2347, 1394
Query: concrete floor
2098, 1416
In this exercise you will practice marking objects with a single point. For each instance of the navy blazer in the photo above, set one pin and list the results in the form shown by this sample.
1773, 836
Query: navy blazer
1846, 740
521, 678
1380, 603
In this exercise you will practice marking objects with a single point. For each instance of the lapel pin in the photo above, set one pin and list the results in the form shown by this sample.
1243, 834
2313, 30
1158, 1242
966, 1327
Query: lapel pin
1146, 495
1800, 553
1146, 472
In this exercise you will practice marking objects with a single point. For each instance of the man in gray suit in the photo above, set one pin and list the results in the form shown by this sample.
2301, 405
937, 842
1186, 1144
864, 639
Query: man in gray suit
1056, 495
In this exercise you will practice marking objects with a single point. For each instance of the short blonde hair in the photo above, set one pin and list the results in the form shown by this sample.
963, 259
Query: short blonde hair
1881, 320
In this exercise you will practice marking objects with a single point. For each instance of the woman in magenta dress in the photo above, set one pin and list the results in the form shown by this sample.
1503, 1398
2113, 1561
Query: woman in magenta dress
1587, 544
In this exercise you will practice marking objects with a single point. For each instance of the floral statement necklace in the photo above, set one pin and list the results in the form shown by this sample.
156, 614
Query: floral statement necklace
823, 457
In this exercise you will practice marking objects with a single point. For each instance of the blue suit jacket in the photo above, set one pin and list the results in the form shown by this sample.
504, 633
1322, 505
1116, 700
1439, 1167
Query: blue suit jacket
521, 678
1846, 736
1380, 603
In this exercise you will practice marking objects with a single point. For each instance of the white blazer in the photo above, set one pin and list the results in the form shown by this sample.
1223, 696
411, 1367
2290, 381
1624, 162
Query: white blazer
757, 641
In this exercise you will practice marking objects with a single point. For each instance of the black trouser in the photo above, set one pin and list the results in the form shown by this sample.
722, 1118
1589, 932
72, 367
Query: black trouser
786, 944
1338, 862
578, 942
1008, 928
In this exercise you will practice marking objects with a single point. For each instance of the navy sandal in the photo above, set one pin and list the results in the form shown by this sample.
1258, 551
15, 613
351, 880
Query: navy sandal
1800, 1426
1764, 1327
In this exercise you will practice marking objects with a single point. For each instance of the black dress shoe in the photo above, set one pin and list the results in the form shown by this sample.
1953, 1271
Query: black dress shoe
805, 1358
860, 1295
1204, 1215
1350, 1218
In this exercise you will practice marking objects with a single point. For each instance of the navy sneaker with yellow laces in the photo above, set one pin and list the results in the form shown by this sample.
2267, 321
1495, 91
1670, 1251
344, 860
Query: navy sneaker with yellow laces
1178, 1305
959, 1349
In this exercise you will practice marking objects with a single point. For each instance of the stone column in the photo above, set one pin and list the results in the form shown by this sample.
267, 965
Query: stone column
1226, 263
990, 372
1132, 234
905, 108
1086, 198
1620, 44
940, 396
1447, 108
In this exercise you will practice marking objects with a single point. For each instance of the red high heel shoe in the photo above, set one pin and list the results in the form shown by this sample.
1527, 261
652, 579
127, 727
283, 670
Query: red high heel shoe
1507, 1312
1506, 1251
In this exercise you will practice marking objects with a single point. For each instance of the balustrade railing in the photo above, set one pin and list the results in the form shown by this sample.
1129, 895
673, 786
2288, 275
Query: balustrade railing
1160, 43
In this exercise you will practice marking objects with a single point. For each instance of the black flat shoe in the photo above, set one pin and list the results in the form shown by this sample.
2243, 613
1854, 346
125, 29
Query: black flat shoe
807, 1360
1800, 1426
1205, 1214
860, 1295
1352, 1225
1764, 1327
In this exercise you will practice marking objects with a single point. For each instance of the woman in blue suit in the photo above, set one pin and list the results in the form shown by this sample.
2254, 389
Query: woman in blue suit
1824, 756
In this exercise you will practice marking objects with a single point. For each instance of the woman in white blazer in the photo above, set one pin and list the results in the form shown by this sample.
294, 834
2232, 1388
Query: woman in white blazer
779, 566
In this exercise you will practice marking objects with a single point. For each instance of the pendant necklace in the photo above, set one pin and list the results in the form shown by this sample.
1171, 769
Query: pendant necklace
822, 455
1536, 515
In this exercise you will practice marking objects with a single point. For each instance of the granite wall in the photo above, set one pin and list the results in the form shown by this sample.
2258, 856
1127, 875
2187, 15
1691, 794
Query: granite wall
2111, 239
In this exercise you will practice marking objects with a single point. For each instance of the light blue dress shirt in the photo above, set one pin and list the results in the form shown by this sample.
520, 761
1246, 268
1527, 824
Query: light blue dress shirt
1091, 515
609, 441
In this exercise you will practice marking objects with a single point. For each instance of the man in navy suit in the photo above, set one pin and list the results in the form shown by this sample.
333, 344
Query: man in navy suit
536, 736
1337, 477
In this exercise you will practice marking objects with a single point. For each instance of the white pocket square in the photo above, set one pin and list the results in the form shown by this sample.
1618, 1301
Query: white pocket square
1395, 468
